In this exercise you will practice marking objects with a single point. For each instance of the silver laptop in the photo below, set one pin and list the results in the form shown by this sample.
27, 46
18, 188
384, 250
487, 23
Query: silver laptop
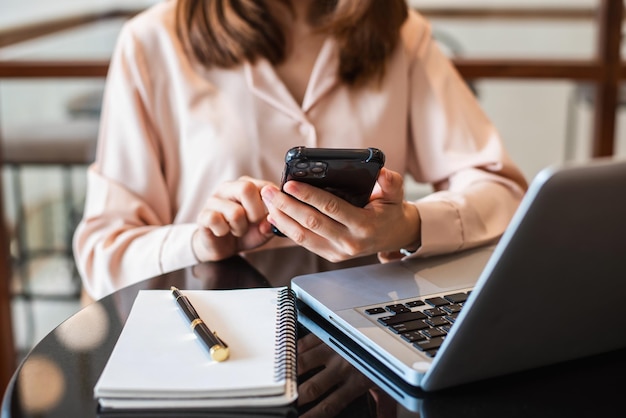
551, 290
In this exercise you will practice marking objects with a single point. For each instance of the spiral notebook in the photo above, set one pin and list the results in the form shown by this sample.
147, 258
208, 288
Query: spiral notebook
158, 362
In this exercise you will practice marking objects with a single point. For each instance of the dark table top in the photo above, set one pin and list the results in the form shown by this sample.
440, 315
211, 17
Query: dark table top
57, 377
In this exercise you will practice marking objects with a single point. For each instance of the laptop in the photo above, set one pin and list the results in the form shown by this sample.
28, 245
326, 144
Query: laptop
551, 290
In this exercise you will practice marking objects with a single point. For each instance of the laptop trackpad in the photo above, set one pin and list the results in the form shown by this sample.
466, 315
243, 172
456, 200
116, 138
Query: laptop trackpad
380, 283
458, 270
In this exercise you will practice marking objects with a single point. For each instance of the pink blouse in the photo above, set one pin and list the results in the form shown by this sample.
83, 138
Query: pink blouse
171, 131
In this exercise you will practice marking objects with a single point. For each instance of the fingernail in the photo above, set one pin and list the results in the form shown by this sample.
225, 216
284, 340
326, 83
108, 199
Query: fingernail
267, 194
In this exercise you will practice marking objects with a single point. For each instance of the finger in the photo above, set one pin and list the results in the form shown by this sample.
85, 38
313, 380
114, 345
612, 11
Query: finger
280, 206
245, 191
222, 217
339, 381
340, 229
334, 403
389, 186
307, 342
208, 247
311, 230
214, 222
324, 202
348, 385
258, 234
257, 182
311, 226
250, 197
317, 385
314, 358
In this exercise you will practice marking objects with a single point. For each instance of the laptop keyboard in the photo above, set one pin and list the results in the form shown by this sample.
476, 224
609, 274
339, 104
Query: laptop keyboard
422, 322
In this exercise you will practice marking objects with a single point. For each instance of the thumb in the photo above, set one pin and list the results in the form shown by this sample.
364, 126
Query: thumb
389, 186
256, 236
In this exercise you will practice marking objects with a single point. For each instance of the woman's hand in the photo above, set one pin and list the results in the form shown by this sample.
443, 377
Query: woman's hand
334, 383
335, 229
232, 220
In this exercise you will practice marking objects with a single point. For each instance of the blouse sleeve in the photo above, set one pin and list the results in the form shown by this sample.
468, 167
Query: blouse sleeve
456, 148
126, 233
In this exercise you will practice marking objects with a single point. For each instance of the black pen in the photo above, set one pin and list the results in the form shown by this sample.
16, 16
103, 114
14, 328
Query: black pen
217, 348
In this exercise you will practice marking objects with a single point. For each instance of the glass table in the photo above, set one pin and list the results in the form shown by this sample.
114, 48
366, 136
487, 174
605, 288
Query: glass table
57, 377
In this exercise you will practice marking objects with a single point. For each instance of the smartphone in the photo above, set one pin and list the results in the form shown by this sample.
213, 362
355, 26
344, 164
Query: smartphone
347, 173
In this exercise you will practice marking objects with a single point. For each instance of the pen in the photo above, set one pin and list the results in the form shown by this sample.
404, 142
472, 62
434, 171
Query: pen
217, 348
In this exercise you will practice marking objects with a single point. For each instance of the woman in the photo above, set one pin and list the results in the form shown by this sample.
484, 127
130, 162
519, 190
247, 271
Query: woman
204, 97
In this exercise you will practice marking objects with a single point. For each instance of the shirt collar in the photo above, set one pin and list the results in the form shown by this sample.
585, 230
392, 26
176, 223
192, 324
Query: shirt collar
265, 83
324, 75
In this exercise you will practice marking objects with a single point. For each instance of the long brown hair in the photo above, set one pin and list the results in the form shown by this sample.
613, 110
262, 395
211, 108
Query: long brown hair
226, 33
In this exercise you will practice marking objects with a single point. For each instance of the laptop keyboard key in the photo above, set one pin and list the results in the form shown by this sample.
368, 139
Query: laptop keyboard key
374, 311
456, 297
427, 345
437, 321
451, 318
415, 303
425, 329
413, 336
431, 353
452, 309
438, 301
433, 332
402, 317
434, 312
397, 308
408, 326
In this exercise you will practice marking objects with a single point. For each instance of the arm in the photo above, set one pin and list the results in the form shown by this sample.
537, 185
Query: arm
126, 234
121, 240
156, 201
456, 148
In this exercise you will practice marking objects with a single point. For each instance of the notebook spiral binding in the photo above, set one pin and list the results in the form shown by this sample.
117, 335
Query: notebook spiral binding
286, 329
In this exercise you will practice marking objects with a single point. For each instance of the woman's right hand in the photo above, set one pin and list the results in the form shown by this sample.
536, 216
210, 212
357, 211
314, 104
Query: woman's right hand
234, 219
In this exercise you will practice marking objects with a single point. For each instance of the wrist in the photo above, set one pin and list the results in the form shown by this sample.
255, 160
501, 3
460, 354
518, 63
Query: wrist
197, 248
414, 240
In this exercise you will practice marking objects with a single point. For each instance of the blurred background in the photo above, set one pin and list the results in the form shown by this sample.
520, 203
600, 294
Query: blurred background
546, 72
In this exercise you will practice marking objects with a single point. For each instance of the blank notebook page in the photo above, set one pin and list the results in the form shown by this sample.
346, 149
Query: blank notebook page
158, 355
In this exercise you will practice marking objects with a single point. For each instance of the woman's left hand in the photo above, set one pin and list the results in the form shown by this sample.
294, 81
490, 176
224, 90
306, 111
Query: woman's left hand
334, 383
336, 230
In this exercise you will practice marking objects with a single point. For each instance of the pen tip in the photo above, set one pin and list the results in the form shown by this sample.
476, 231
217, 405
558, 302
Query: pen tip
173, 288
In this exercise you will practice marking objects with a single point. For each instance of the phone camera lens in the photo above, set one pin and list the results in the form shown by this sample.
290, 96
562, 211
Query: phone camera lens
318, 168
299, 173
302, 164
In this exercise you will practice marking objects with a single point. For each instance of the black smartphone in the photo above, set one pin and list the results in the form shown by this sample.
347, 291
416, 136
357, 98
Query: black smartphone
347, 173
